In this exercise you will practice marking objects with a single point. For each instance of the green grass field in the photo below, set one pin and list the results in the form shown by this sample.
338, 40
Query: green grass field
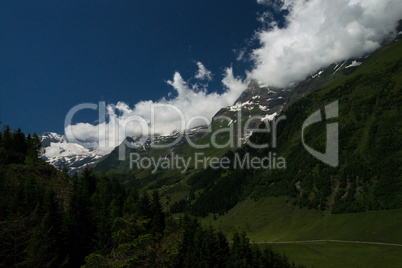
336, 254
277, 220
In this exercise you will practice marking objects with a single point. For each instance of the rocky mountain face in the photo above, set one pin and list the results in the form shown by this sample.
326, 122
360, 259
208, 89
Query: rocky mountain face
258, 100
59, 152
367, 176
257, 103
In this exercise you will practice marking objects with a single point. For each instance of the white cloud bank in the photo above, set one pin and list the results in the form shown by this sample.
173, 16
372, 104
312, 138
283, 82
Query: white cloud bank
192, 101
318, 33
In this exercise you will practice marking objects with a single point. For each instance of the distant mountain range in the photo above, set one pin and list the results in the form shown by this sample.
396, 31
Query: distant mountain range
257, 100
59, 152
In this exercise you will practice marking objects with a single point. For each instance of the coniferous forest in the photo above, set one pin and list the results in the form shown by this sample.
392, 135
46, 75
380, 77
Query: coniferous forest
51, 219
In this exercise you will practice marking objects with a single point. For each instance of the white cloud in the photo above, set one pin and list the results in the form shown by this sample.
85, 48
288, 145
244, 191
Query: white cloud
274, 4
235, 85
318, 33
203, 73
240, 54
168, 114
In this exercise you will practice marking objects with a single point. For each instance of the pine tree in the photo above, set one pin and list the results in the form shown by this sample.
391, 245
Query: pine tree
222, 252
158, 216
88, 182
131, 202
241, 254
3, 156
187, 250
36, 144
64, 170
45, 247
7, 140
33, 150
19, 142
144, 205
79, 226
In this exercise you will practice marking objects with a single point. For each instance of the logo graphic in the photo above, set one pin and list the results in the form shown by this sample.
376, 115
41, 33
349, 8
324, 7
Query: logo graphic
330, 156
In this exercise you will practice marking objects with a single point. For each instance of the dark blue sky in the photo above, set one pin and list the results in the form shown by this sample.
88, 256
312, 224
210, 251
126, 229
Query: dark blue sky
57, 54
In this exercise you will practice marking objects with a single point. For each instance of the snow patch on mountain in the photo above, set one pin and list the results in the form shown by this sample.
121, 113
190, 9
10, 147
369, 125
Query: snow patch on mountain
269, 117
353, 64
239, 106
317, 74
261, 84
57, 151
263, 108
339, 66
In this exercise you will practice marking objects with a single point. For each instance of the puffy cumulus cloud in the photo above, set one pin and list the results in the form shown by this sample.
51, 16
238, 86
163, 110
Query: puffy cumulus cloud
235, 85
318, 33
203, 73
191, 107
84, 132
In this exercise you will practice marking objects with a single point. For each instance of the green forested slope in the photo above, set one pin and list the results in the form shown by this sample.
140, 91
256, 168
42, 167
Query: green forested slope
368, 176
48, 219
369, 173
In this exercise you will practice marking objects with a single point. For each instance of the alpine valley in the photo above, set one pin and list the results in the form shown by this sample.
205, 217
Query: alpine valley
300, 211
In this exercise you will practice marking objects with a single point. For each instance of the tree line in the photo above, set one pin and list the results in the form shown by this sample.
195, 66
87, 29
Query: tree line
48, 218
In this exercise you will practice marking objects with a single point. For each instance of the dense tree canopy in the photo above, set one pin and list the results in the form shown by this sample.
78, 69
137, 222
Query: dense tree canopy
50, 219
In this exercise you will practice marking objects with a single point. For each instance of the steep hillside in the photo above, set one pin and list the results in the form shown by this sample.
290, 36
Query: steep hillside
48, 219
32, 196
368, 175
257, 100
317, 238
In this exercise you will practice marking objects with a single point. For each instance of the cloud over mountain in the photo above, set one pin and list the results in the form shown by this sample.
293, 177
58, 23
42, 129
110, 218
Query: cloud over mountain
193, 105
318, 33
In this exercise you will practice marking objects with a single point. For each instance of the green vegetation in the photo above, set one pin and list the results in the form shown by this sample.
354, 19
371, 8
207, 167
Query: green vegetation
130, 218
360, 200
50, 219
273, 221
276, 219
333, 254
369, 175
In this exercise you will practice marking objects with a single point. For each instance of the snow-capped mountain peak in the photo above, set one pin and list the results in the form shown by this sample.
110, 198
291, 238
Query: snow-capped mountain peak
59, 152
49, 137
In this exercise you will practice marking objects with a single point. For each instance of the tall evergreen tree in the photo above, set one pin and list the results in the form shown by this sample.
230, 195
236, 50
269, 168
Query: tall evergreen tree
158, 216
19, 142
144, 205
7, 140
131, 202
79, 223
222, 252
